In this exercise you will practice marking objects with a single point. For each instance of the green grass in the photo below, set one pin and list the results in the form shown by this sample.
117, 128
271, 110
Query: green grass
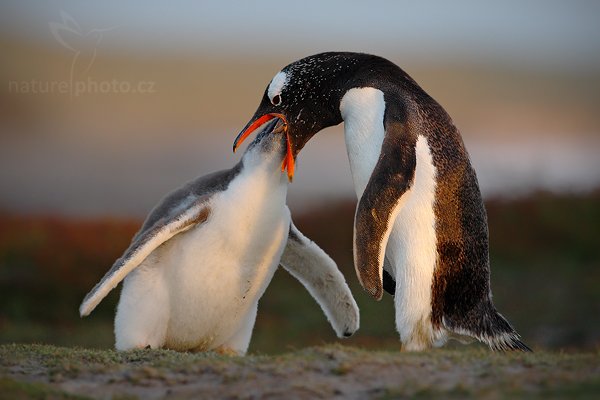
316, 372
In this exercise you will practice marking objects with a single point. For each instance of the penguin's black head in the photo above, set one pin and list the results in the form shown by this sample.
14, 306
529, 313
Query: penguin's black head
306, 96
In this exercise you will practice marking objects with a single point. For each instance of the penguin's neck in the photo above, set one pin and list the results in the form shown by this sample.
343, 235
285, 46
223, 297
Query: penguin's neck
262, 173
363, 110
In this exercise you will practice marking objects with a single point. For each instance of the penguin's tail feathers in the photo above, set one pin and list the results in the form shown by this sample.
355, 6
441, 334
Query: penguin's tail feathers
490, 328
506, 342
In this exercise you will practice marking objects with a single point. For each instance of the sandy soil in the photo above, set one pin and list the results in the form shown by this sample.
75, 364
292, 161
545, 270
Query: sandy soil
329, 371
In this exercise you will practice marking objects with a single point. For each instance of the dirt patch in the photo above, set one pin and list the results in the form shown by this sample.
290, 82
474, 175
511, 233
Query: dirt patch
319, 372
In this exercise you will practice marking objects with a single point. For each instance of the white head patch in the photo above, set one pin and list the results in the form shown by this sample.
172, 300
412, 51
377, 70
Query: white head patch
277, 84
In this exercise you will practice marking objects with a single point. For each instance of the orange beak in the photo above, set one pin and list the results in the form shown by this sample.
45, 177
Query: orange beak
288, 161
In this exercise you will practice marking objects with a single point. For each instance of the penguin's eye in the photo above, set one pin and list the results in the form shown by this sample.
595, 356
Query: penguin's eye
276, 100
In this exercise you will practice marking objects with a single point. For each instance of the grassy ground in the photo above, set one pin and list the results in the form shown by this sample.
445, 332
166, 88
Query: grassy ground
331, 371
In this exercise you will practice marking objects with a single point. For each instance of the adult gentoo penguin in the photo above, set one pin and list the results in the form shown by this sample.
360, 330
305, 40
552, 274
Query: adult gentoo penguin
420, 227
204, 256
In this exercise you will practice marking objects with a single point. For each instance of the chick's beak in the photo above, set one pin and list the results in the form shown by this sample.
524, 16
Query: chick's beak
288, 161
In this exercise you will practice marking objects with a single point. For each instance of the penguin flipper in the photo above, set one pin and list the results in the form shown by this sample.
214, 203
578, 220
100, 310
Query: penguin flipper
319, 274
143, 244
379, 205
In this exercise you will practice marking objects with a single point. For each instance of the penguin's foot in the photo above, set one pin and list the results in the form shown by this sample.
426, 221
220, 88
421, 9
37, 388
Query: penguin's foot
226, 351
422, 336
414, 345
144, 346
141, 346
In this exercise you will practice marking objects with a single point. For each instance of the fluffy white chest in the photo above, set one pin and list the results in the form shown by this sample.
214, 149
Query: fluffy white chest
214, 274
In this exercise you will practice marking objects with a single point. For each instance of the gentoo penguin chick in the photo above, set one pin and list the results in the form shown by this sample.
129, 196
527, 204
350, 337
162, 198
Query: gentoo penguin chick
203, 258
420, 228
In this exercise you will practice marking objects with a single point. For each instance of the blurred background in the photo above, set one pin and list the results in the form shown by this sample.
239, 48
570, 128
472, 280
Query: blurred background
107, 106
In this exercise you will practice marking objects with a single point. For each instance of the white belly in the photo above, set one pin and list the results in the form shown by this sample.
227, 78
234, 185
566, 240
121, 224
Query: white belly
412, 252
214, 280
207, 280
411, 247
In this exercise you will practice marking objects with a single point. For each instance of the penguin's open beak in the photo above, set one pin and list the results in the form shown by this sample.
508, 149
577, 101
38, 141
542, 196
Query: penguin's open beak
254, 124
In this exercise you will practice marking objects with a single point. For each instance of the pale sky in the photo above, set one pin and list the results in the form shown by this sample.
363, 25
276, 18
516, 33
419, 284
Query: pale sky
550, 33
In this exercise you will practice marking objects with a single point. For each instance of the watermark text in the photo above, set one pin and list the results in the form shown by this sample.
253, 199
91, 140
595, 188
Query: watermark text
81, 87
